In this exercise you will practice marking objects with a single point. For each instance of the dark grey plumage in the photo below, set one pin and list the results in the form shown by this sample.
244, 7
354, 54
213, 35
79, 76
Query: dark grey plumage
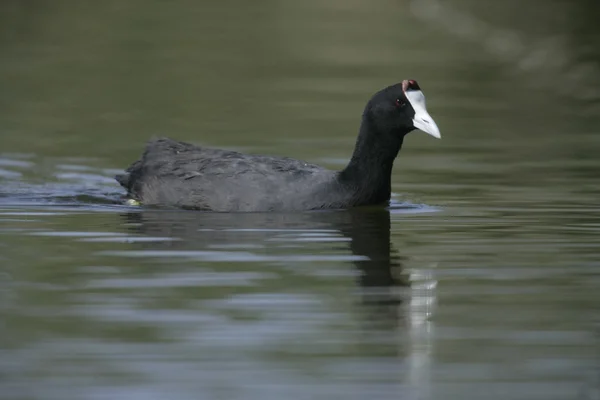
182, 175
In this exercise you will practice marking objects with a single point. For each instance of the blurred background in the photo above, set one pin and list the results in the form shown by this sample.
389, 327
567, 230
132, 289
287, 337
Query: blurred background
482, 274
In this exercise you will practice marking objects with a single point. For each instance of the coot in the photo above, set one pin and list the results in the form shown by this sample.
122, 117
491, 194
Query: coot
181, 175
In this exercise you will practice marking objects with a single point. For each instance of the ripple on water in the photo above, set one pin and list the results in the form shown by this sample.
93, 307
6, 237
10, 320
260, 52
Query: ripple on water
398, 207
268, 230
76, 234
128, 239
30, 213
306, 237
15, 163
8, 174
103, 237
229, 256
195, 279
64, 183
87, 178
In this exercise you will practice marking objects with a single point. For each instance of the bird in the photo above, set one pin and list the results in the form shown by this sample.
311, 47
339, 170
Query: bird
175, 174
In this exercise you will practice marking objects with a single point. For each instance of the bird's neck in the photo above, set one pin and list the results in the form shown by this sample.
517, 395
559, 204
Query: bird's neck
368, 174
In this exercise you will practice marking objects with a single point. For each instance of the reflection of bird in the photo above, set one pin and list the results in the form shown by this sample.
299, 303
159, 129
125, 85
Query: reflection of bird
383, 301
380, 271
178, 174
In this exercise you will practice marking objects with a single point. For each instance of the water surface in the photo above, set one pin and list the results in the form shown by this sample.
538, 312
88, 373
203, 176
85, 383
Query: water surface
481, 276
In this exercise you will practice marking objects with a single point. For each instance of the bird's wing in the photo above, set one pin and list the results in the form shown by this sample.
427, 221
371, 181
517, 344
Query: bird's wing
176, 171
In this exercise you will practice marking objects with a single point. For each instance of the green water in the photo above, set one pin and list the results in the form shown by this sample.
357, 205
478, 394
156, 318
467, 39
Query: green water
479, 281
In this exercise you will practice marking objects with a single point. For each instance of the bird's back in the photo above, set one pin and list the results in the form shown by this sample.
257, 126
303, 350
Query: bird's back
177, 174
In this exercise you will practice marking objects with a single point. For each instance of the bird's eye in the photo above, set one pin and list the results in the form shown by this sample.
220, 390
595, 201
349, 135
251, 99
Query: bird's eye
400, 102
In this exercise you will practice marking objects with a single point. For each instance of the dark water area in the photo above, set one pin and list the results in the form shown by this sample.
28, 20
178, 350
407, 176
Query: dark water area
480, 280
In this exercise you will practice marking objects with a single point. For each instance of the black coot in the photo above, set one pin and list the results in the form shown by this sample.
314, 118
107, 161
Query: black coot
177, 174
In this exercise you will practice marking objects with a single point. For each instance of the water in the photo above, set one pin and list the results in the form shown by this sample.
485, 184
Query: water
482, 275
